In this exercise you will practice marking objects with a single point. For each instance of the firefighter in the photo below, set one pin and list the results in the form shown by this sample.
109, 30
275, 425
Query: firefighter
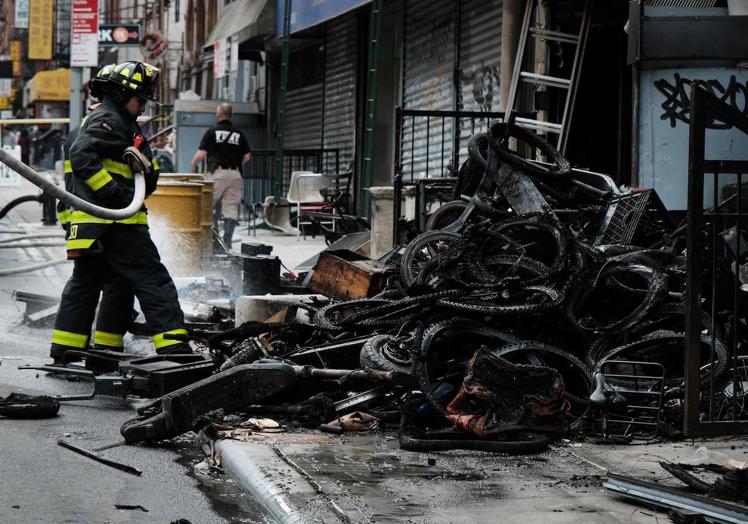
110, 253
117, 298
227, 150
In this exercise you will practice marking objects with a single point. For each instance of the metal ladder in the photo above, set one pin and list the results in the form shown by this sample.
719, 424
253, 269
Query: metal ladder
579, 41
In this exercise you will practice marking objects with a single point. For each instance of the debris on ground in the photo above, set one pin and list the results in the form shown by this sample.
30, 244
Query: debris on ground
18, 405
719, 501
131, 507
98, 458
546, 302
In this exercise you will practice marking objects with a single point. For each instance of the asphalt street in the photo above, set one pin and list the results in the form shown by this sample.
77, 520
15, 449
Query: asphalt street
43, 482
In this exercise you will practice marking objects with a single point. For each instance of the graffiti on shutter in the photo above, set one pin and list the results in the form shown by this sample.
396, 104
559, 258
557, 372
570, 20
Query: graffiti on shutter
428, 84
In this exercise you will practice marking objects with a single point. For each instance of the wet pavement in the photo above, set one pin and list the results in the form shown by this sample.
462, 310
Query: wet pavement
368, 478
43, 482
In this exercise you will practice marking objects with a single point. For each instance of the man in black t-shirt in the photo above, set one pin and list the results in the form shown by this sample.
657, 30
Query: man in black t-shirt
226, 150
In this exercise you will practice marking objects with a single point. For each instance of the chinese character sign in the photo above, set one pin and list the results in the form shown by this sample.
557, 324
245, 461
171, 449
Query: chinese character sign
22, 14
16, 54
40, 29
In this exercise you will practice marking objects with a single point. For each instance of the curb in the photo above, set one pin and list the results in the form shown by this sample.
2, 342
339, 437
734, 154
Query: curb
249, 476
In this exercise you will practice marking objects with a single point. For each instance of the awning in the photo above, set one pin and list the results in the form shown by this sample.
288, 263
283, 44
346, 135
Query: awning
307, 14
245, 18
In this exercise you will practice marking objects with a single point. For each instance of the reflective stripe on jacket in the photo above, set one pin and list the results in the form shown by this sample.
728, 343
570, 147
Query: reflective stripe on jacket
95, 170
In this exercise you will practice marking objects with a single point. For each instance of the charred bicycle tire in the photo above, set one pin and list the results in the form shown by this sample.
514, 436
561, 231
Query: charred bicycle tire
515, 443
547, 226
535, 354
445, 215
500, 134
457, 327
552, 298
662, 338
656, 285
383, 353
329, 317
397, 305
408, 269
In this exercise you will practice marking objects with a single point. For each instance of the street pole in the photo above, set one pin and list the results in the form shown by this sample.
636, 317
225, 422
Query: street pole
76, 107
281, 118
370, 116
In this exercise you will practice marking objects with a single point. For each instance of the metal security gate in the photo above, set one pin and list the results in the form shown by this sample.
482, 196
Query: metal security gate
341, 45
259, 178
428, 130
717, 273
428, 79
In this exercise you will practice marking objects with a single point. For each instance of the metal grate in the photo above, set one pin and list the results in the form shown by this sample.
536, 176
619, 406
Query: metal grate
638, 218
622, 218
641, 386
716, 278
258, 179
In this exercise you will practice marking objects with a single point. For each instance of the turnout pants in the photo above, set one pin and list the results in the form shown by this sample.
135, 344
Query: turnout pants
115, 314
127, 262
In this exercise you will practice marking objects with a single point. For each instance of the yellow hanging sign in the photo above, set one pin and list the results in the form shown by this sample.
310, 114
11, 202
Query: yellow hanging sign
50, 86
41, 30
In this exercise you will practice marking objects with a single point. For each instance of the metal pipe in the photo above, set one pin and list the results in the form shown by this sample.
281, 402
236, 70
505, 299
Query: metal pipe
32, 267
57, 234
78, 203
163, 131
38, 244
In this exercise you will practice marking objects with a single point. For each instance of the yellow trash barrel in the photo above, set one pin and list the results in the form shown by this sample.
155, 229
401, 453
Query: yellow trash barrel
207, 204
182, 177
175, 215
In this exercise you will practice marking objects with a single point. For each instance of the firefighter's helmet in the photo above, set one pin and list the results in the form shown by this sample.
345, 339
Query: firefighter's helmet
135, 78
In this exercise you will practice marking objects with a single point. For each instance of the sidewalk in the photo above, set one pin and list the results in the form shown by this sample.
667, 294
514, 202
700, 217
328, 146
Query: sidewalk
288, 248
314, 477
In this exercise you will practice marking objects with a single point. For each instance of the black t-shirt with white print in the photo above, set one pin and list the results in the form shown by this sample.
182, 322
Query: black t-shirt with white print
226, 145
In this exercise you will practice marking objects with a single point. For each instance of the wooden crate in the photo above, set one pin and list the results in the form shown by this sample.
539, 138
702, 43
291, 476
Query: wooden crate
346, 275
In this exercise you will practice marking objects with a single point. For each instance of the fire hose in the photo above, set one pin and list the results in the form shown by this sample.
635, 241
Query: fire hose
50, 188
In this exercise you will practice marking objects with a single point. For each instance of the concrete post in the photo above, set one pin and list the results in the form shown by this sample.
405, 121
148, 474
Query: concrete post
382, 218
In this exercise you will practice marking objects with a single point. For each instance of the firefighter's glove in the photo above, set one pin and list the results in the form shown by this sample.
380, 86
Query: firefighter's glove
139, 163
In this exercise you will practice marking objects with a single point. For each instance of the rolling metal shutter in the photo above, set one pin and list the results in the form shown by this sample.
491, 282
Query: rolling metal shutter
339, 131
428, 70
479, 64
304, 117
480, 55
